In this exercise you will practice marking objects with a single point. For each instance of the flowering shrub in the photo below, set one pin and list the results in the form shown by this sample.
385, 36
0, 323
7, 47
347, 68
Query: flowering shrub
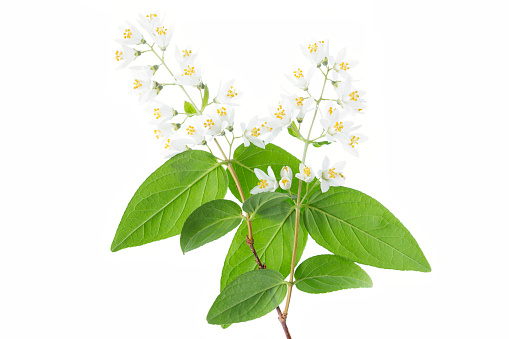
278, 209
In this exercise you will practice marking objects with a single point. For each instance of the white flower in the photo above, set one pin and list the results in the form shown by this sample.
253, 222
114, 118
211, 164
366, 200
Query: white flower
316, 51
332, 123
160, 112
193, 130
125, 55
184, 56
331, 175
171, 146
350, 139
286, 178
162, 35
163, 131
213, 124
228, 94
305, 174
148, 21
299, 79
143, 85
267, 183
300, 105
190, 75
341, 65
252, 133
283, 113
350, 98
225, 113
130, 35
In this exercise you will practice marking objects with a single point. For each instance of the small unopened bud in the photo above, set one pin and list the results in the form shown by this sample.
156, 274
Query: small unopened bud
335, 83
154, 69
215, 101
176, 126
299, 120
230, 128
136, 54
202, 85
204, 142
325, 61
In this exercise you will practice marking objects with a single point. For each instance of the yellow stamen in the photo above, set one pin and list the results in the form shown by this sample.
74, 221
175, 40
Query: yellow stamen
354, 96
118, 55
221, 111
344, 66
332, 174
161, 30
331, 110
137, 84
280, 112
167, 144
157, 113
127, 33
313, 47
158, 133
354, 141
190, 130
255, 132
151, 16
188, 71
231, 93
208, 124
186, 53
299, 101
298, 73
284, 181
263, 183
338, 126
307, 171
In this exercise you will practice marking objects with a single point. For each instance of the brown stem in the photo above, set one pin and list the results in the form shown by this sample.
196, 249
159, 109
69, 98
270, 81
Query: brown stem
250, 240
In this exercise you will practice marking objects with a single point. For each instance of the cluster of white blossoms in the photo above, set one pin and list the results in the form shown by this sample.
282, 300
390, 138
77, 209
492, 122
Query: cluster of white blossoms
199, 123
194, 125
348, 102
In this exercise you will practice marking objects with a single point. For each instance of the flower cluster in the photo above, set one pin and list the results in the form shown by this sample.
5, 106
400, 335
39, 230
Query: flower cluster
194, 125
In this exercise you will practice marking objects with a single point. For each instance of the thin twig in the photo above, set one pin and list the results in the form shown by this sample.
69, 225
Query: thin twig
250, 240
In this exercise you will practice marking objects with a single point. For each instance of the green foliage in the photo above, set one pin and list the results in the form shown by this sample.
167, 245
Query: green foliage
189, 108
327, 273
209, 222
249, 296
257, 201
293, 130
320, 143
205, 100
167, 197
273, 231
246, 159
353, 225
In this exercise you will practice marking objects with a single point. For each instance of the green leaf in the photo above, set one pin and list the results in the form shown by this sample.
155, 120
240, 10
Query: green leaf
167, 197
250, 296
205, 100
246, 159
293, 130
257, 201
273, 232
320, 143
327, 273
189, 108
353, 225
225, 326
209, 222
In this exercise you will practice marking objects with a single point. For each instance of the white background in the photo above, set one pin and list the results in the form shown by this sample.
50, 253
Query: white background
75, 147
